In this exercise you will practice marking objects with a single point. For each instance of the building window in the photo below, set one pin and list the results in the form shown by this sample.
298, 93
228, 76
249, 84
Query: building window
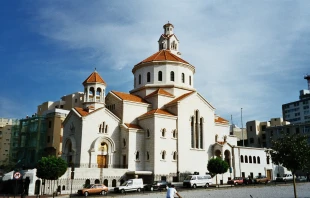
183, 78
246, 159
75, 100
252, 140
147, 155
163, 155
174, 155
160, 76
254, 159
174, 133
258, 160
171, 76
106, 129
264, 128
163, 132
190, 80
241, 158
124, 142
192, 131
268, 160
250, 159
49, 124
137, 155
139, 79
148, 77
147, 133
250, 128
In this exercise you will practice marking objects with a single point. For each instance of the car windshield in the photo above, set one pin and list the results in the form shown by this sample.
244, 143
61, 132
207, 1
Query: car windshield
155, 182
258, 177
124, 184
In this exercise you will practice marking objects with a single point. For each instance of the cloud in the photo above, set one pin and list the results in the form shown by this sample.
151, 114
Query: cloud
243, 51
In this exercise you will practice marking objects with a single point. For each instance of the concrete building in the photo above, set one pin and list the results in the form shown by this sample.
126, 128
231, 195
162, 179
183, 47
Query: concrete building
7, 126
298, 111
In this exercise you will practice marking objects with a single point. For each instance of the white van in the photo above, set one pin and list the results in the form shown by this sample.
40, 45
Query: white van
197, 180
130, 185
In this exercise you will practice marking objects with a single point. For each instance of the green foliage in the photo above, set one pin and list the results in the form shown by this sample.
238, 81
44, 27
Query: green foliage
217, 166
292, 151
51, 168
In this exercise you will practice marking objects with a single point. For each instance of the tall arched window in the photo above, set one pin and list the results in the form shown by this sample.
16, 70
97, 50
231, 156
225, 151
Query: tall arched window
201, 133
147, 155
139, 79
254, 159
171, 76
241, 158
163, 132
160, 76
174, 155
196, 136
190, 80
148, 77
258, 160
183, 78
137, 155
246, 159
192, 131
250, 159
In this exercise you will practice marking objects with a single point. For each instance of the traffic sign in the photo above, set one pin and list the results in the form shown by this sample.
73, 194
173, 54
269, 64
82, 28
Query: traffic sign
17, 175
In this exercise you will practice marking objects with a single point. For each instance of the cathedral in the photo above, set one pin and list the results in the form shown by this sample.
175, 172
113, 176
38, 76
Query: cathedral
162, 129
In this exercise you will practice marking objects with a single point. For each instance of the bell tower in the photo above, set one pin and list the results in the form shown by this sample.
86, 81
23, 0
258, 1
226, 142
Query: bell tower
168, 40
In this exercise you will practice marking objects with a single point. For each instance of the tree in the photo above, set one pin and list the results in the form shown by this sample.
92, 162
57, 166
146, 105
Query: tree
217, 166
51, 168
293, 152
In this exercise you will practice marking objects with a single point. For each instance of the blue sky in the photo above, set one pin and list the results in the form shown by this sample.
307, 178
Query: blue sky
248, 54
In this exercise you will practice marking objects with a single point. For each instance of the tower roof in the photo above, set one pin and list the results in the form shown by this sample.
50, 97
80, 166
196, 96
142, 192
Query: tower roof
94, 78
168, 24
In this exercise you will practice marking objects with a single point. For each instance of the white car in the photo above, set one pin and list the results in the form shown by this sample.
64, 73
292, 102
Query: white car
286, 177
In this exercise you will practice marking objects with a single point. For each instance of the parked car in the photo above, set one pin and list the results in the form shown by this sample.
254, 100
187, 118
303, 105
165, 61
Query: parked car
301, 178
157, 185
235, 181
130, 185
248, 180
93, 189
285, 177
194, 181
261, 179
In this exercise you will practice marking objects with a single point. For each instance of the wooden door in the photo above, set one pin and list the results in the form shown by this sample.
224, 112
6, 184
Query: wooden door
101, 161
268, 174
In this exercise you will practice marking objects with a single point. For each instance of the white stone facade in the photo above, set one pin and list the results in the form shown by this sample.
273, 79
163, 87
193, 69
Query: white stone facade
163, 129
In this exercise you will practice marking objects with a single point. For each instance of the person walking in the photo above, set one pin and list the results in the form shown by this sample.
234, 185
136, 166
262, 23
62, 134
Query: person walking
171, 191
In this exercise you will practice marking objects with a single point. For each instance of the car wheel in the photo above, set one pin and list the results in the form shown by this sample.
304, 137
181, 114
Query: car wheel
152, 188
236, 184
139, 190
194, 186
86, 194
103, 192
207, 185
122, 191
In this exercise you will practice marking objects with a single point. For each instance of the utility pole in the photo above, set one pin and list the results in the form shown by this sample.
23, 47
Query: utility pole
242, 129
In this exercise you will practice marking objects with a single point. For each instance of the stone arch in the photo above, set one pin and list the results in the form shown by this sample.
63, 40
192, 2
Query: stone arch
106, 182
227, 157
101, 150
69, 150
97, 181
114, 183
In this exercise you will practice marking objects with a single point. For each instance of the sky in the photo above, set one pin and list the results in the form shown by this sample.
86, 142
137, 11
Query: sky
247, 54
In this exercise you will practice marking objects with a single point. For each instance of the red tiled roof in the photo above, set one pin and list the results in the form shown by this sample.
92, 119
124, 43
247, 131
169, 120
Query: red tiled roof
163, 55
180, 98
221, 143
94, 78
81, 111
159, 91
157, 111
132, 126
130, 97
220, 120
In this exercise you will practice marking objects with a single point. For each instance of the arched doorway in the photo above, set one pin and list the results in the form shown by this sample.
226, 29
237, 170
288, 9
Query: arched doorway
218, 153
227, 157
102, 157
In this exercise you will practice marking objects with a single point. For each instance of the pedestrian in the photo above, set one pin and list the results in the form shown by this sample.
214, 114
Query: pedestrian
171, 191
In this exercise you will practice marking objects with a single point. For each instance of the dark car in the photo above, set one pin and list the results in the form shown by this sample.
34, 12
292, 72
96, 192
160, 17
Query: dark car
235, 181
248, 180
157, 185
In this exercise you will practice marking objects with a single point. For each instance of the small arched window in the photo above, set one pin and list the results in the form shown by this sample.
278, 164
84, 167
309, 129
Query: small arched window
254, 159
183, 78
174, 134
246, 159
139, 79
241, 158
163, 132
190, 80
160, 76
268, 160
250, 159
171, 76
147, 133
137, 155
163, 155
174, 155
147, 155
148, 77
